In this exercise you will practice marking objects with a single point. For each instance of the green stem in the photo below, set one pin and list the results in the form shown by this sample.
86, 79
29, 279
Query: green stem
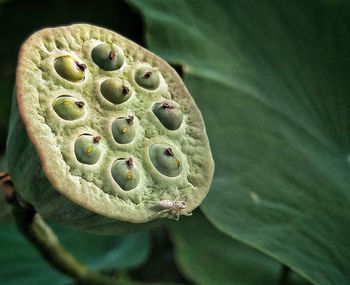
34, 228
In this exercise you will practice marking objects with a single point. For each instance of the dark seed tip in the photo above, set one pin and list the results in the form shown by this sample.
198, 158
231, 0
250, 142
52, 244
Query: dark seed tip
147, 75
82, 66
129, 163
167, 106
130, 120
125, 90
169, 152
96, 140
111, 55
80, 104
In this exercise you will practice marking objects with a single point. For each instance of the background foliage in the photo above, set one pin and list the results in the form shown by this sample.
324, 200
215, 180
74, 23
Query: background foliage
272, 80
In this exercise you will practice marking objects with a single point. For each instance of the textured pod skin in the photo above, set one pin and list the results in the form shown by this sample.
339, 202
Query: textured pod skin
40, 149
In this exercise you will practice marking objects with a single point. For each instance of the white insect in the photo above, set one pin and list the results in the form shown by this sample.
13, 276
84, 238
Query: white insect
175, 208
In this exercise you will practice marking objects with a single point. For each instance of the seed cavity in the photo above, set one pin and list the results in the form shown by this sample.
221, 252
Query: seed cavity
69, 108
147, 77
108, 57
87, 149
123, 129
70, 69
115, 90
165, 159
169, 114
125, 173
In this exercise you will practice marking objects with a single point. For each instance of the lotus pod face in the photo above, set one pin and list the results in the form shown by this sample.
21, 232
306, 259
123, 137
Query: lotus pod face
94, 161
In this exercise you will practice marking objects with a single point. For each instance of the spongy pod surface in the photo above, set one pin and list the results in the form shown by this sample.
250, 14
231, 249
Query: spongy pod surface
83, 155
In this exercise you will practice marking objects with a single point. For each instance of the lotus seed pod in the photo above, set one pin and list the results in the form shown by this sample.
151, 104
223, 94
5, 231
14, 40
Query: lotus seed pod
165, 159
69, 144
69, 108
147, 78
123, 129
115, 90
169, 114
126, 173
87, 149
107, 56
69, 68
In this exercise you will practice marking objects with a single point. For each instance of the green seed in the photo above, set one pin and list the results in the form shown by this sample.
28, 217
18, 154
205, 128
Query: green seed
69, 108
107, 56
87, 149
123, 129
115, 91
69, 68
169, 114
147, 78
165, 159
125, 173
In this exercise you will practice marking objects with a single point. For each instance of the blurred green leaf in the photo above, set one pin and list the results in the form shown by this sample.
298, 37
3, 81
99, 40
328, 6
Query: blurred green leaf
208, 256
5, 208
108, 252
160, 267
4, 1
21, 264
5, 103
272, 79
3, 163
